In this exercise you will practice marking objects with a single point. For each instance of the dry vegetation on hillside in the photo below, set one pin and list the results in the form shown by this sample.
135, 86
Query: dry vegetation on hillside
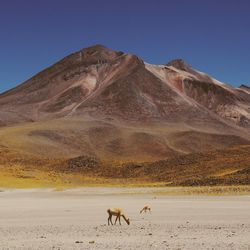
221, 167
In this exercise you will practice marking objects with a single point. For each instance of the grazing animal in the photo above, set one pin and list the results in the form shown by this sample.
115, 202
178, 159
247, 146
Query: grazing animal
118, 213
145, 209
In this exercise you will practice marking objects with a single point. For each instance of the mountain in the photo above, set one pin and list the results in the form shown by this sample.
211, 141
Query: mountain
117, 108
100, 82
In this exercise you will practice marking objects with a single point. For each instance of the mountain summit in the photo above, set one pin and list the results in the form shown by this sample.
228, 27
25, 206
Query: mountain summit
179, 64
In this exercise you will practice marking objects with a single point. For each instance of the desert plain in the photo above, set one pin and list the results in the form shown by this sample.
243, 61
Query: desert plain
77, 219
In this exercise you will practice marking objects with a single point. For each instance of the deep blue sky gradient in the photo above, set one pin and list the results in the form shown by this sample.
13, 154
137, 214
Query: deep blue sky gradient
212, 35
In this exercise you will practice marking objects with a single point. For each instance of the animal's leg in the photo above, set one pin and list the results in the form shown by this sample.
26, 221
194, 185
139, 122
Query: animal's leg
116, 219
120, 220
111, 220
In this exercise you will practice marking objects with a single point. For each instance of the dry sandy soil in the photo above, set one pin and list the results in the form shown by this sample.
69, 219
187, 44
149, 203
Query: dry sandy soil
77, 219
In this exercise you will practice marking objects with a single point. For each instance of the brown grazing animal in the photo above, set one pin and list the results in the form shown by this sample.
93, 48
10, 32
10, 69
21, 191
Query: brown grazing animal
118, 213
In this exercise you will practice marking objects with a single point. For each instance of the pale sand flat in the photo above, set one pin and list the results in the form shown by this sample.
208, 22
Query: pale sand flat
77, 219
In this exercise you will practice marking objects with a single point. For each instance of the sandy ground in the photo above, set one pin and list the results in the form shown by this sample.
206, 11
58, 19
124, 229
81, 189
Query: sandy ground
77, 219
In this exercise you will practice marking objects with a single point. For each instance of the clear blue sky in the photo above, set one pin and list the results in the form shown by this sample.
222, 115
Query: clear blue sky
212, 35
